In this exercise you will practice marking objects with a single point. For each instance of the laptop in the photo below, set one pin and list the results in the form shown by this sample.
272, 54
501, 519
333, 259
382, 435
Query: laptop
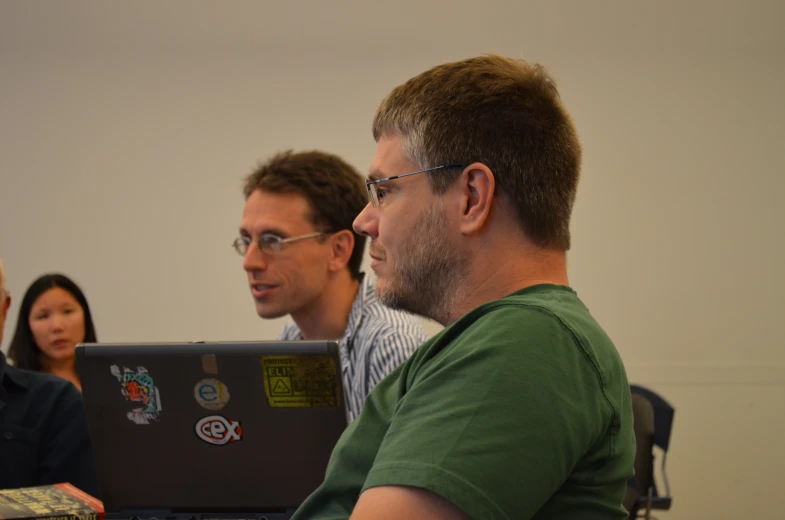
197, 431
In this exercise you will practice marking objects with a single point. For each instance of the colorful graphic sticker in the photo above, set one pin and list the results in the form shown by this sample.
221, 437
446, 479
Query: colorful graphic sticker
137, 387
218, 430
211, 394
300, 381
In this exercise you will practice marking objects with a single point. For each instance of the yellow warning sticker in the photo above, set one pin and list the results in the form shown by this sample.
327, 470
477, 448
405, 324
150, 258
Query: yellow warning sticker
301, 381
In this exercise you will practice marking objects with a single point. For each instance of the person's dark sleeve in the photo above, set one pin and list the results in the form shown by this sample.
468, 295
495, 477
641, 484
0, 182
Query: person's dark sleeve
66, 454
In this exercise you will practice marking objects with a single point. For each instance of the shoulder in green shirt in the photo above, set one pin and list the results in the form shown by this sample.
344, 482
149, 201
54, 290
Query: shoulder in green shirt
521, 409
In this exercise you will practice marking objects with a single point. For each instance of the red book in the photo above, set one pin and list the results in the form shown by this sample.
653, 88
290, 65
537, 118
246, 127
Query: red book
54, 502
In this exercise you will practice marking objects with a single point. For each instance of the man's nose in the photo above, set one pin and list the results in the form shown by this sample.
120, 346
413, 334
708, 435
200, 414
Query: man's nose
255, 259
367, 222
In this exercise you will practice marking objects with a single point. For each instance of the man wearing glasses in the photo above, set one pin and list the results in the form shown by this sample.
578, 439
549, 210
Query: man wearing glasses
303, 259
520, 408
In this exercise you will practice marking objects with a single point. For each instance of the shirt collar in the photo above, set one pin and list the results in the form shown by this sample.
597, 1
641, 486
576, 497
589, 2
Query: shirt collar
364, 294
10, 373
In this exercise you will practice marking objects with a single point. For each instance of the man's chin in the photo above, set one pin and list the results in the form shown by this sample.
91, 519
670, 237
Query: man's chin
390, 297
268, 313
383, 291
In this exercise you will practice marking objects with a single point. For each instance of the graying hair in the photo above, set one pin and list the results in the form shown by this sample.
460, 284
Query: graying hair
503, 113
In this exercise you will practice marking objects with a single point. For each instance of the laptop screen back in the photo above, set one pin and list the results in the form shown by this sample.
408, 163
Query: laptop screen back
211, 427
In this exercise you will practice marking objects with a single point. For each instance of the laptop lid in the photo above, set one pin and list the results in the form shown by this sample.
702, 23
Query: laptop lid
211, 427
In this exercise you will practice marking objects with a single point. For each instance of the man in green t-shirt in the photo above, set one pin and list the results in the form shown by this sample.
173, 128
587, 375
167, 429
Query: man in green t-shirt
520, 408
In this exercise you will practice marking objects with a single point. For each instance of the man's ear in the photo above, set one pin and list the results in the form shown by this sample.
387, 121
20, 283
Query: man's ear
342, 244
477, 185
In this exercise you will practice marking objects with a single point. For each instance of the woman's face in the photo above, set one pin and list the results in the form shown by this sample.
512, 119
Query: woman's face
57, 322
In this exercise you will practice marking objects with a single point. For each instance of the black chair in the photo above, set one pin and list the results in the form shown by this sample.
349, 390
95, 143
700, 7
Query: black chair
638, 488
657, 497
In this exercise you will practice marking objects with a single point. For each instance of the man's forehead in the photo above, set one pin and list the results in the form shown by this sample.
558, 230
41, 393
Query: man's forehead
390, 158
276, 210
376, 168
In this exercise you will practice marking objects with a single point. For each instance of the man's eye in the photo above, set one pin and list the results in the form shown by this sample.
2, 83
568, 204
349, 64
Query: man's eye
380, 193
270, 240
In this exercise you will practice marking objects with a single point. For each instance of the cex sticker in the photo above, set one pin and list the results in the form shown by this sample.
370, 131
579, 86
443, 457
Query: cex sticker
216, 429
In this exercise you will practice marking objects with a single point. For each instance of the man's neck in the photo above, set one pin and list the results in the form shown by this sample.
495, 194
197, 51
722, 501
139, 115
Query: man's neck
328, 316
496, 272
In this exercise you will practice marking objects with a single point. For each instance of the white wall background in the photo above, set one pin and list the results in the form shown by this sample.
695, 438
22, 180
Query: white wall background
126, 129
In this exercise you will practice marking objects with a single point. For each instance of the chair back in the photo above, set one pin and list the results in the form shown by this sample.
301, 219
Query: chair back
643, 425
663, 415
663, 423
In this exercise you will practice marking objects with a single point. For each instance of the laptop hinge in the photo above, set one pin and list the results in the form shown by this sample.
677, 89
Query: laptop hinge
141, 514
269, 515
168, 514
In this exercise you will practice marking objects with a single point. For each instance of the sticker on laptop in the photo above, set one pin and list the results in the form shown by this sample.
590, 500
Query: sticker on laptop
218, 430
137, 387
301, 381
211, 394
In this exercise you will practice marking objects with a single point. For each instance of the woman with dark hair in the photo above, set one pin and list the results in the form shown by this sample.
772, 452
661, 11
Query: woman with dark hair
53, 319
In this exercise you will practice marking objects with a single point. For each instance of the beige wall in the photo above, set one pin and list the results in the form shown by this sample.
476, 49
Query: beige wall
126, 129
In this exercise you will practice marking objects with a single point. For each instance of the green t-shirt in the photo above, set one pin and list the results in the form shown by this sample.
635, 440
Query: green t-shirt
521, 409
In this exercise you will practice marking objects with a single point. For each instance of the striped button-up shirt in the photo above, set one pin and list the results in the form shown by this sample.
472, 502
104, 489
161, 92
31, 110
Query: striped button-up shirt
377, 339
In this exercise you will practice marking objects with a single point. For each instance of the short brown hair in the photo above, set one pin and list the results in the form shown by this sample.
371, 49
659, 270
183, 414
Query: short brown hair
501, 112
333, 188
